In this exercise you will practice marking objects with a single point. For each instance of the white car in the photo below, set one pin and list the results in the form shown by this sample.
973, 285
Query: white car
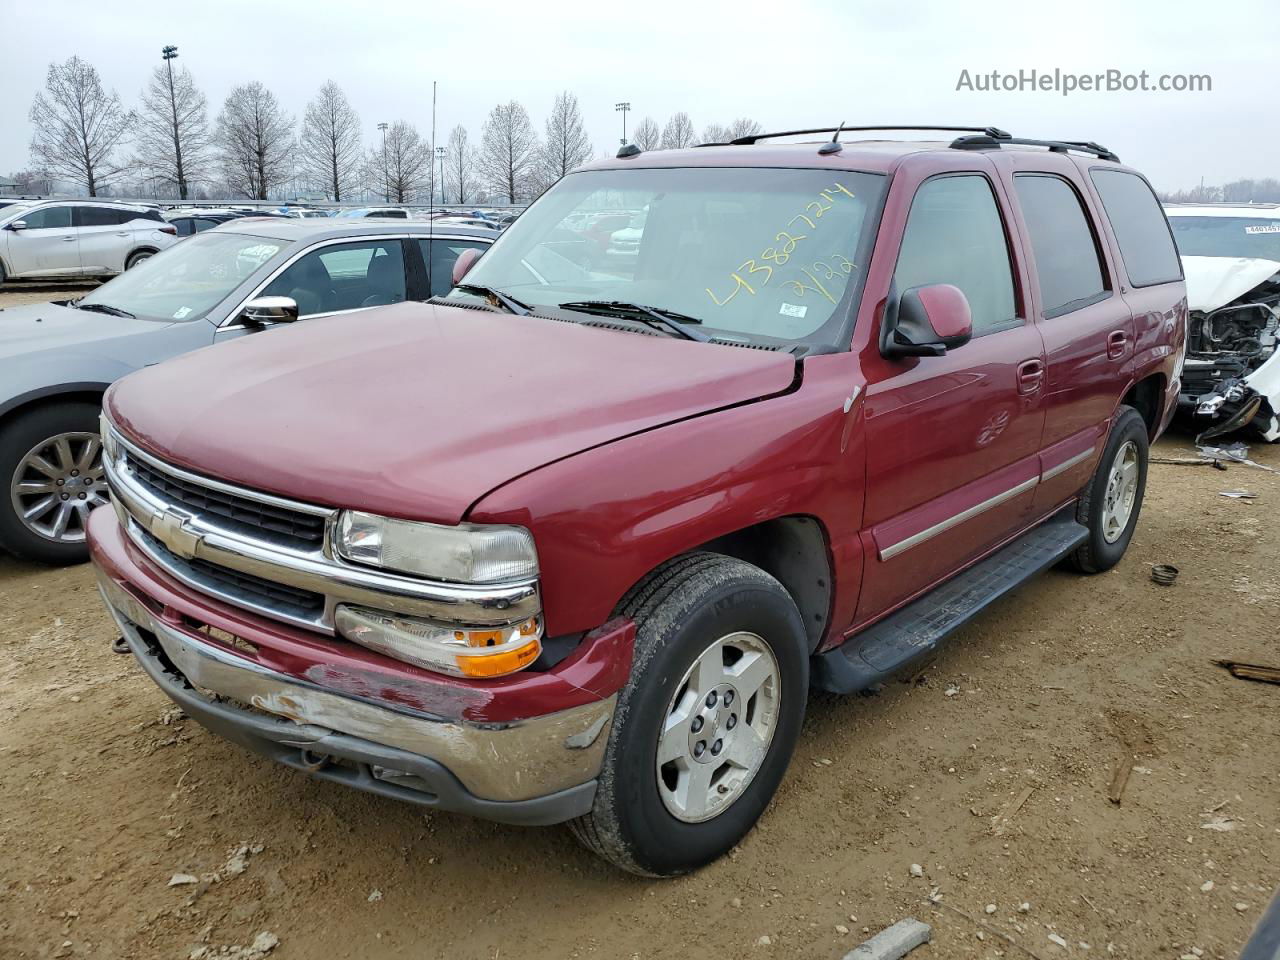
78, 238
1231, 257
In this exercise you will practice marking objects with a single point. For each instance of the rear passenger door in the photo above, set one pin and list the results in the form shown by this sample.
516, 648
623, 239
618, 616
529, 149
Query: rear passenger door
1087, 327
952, 441
105, 240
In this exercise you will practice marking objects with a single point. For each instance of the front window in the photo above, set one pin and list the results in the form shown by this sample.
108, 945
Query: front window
344, 276
186, 281
752, 252
1227, 237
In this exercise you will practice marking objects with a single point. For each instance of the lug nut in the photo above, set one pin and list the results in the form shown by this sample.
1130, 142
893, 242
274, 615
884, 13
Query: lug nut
60, 481
711, 699
717, 747
66, 496
81, 496
728, 697
732, 721
696, 725
75, 473
699, 748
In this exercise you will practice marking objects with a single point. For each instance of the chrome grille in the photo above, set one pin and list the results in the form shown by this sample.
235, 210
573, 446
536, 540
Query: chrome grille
237, 512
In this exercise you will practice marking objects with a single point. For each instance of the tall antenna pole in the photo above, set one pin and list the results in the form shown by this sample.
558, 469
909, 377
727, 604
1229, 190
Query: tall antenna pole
431, 201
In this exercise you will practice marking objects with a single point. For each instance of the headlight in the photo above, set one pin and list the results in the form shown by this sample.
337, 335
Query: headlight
466, 553
446, 647
110, 448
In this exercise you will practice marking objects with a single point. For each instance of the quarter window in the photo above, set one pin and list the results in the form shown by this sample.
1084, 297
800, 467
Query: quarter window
345, 276
1146, 245
955, 235
1065, 248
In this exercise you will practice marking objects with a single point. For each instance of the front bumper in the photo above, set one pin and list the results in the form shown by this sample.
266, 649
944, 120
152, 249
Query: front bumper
536, 769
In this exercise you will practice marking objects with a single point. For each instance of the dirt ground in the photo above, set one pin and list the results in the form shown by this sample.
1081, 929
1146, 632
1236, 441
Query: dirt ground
106, 793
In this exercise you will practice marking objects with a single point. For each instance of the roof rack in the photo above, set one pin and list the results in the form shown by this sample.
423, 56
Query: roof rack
753, 138
990, 142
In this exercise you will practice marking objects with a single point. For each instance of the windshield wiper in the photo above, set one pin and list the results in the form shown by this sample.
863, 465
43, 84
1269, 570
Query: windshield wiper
669, 320
104, 308
511, 303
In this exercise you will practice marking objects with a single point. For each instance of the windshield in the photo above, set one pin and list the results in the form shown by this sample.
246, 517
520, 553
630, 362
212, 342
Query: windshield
749, 251
188, 280
1227, 237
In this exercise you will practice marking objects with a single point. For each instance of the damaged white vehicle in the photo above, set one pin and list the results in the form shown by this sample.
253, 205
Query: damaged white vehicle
1231, 258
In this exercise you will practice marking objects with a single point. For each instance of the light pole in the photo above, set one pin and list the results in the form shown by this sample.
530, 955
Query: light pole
440, 157
622, 108
169, 53
386, 180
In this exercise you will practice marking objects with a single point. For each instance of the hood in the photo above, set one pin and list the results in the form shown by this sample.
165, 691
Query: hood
44, 326
418, 410
1213, 282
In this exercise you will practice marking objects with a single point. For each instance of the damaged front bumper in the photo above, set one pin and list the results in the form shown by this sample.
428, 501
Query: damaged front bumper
531, 770
1233, 402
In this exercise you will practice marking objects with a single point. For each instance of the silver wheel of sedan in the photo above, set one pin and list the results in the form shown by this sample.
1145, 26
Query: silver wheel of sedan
718, 727
57, 483
1121, 492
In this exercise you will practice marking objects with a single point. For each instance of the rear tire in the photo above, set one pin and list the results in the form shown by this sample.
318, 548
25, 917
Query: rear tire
137, 257
1111, 502
26, 434
702, 620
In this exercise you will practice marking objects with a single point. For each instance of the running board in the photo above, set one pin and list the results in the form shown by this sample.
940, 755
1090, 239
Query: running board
920, 627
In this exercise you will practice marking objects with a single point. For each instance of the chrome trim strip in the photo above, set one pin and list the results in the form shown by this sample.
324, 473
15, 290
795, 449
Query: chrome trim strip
516, 761
187, 536
887, 553
1066, 464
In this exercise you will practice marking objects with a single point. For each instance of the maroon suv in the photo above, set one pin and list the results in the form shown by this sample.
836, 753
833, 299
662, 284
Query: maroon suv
573, 543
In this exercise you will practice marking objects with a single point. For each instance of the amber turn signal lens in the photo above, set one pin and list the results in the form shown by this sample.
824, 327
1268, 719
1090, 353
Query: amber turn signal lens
499, 664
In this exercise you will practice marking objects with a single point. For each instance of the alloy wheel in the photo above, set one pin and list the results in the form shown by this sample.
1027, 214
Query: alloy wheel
1121, 492
56, 485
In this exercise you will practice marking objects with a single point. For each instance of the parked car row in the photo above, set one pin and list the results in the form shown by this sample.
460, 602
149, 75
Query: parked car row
51, 239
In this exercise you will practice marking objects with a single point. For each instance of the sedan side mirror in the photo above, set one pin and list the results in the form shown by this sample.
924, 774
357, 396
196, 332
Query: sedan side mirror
16, 225
462, 266
926, 322
264, 310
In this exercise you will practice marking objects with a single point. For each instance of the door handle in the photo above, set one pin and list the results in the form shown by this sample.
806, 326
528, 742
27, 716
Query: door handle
68, 239
122, 234
1030, 377
1117, 344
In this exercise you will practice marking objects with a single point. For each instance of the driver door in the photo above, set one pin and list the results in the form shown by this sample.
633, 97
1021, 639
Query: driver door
47, 247
952, 441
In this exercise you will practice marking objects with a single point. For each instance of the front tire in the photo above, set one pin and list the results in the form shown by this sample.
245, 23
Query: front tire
706, 726
50, 478
1111, 502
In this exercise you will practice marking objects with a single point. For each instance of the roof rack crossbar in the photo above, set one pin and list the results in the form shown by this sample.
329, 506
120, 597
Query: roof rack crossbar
994, 132
985, 142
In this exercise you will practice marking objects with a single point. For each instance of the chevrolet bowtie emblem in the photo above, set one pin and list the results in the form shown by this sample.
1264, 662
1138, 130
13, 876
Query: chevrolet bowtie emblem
171, 529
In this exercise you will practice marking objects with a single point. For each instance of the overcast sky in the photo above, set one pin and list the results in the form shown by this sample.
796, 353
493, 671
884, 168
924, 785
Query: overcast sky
795, 64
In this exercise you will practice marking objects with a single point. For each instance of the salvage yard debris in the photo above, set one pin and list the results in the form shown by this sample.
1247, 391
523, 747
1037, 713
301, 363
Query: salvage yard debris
1251, 671
893, 942
1001, 819
1164, 574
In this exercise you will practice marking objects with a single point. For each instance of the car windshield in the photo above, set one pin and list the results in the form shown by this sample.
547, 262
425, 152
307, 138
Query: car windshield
753, 252
188, 280
1227, 237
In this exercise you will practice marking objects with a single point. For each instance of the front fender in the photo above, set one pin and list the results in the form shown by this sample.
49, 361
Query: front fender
603, 518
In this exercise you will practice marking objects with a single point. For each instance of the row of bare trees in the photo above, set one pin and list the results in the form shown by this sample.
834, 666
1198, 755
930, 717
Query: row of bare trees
255, 148
1265, 190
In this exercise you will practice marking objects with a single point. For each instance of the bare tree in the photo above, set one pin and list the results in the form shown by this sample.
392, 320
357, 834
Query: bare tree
508, 150
566, 145
743, 127
78, 126
402, 167
329, 145
678, 132
172, 141
459, 164
647, 136
715, 133
257, 141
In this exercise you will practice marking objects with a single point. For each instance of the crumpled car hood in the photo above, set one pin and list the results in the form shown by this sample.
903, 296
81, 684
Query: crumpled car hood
1213, 282
418, 410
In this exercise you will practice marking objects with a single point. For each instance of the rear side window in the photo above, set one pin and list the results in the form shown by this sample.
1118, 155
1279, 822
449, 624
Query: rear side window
955, 235
1141, 230
185, 226
440, 255
99, 217
1065, 248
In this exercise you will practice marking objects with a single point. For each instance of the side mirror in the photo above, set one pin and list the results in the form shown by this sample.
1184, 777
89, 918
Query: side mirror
462, 266
926, 322
264, 310
16, 225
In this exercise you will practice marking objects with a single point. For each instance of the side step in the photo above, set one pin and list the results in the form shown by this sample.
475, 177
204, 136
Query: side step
921, 626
